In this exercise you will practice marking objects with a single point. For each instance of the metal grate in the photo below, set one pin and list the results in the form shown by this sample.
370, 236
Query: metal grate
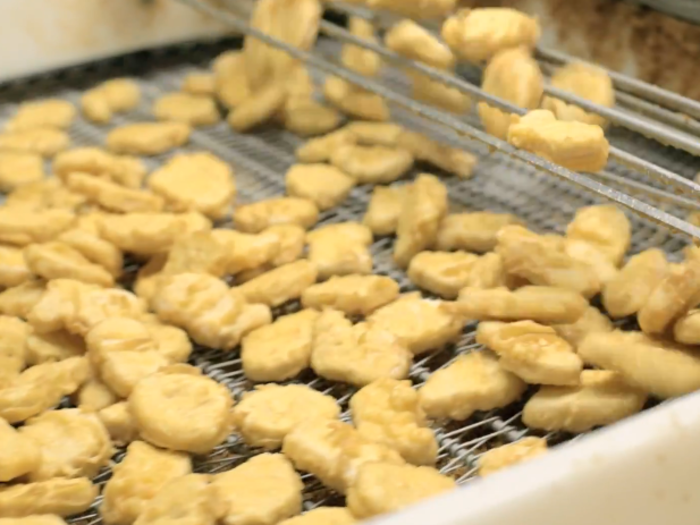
500, 183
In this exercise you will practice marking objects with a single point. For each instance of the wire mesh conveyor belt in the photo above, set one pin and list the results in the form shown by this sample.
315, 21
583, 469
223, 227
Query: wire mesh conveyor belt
505, 180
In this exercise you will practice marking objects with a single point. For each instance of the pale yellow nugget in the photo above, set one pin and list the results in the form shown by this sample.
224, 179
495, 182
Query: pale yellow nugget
47, 142
46, 113
604, 226
372, 164
627, 293
122, 371
44, 195
586, 81
543, 261
488, 271
231, 82
512, 75
53, 346
254, 218
280, 350
73, 444
420, 324
660, 367
592, 321
19, 301
192, 413
340, 249
573, 145
118, 95
358, 59
352, 294
94, 249
117, 335
387, 411
442, 273
113, 197
245, 251
326, 186
435, 93
14, 338
478, 34
419, 221
18, 169
543, 304
356, 354
198, 252
280, 285
317, 516
603, 397
375, 133
258, 108
56, 260
148, 138
472, 382
262, 491
592, 256
119, 423
137, 479
413, 41
506, 456
452, 160
60, 496
195, 110
533, 352
173, 343
672, 298
36, 519
320, 149
384, 208
292, 239
687, 328
19, 454
381, 488
94, 395
354, 101
266, 415
142, 233
122, 169
199, 84
472, 232
13, 267
305, 116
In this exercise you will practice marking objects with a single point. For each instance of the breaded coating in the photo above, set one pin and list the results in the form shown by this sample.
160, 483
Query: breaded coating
199, 84
687, 328
280, 285
258, 108
384, 208
413, 41
119, 423
14, 348
25, 226
142, 233
113, 197
56, 260
442, 273
195, 110
604, 226
592, 321
47, 142
19, 454
254, 218
447, 158
325, 185
148, 138
19, 300
117, 95
511, 454
19, 169
359, 59
473, 231
375, 133
355, 101
340, 249
317, 516
60, 496
46, 113
372, 164
320, 149
122, 169
351, 294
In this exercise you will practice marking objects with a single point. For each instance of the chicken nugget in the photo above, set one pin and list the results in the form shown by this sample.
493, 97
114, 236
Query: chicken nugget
352, 294
442, 273
61, 496
19, 454
511, 454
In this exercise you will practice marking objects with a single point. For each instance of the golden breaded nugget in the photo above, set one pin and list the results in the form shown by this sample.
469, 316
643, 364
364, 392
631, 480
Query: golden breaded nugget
119, 423
305, 116
280, 285
427, 9
128, 491
472, 382
543, 261
478, 34
586, 81
246, 251
573, 145
333, 450
113, 197
317, 516
511, 454
442, 273
60, 496
42, 519
281, 350
117, 335
14, 338
676, 294
122, 371
181, 411
254, 218
46, 113
592, 321
438, 94
384, 208
340, 249
355, 101
592, 256
420, 324
533, 352
266, 415
375, 133
148, 138
320, 149
53, 346
419, 221
543, 304
604, 226
413, 41
252, 317
358, 59
18, 169
258, 108
227, 62
94, 395
603, 397
660, 367
19, 301
292, 239
372, 164
231, 82
94, 249
356, 354
73, 444
195, 110
173, 343
512, 75
326, 186
44, 195
141, 233
198, 252
19, 454
472, 232
13, 267
630, 289
199, 84
488, 271
352, 294
687, 328
122, 169
191, 499
262, 491
56, 260
47, 142
381, 487
387, 411
113, 96
449, 159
